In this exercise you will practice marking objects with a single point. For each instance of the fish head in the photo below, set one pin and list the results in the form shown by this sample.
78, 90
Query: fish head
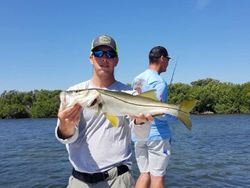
86, 98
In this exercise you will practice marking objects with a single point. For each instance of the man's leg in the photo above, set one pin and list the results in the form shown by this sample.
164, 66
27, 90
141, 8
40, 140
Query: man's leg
141, 155
157, 182
143, 181
159, 154
123, 181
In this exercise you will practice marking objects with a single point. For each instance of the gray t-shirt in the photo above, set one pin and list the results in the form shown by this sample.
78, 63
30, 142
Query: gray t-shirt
96, 145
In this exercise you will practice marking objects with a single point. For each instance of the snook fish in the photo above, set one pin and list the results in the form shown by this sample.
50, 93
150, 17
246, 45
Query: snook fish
113, 104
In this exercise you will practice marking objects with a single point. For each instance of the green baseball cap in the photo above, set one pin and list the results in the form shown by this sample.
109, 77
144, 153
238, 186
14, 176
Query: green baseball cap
104, 40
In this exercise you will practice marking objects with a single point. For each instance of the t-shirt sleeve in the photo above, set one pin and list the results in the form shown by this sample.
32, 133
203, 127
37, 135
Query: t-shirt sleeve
161, 91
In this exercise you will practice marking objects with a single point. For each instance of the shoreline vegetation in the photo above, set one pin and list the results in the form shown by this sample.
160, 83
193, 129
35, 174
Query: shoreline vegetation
214, 97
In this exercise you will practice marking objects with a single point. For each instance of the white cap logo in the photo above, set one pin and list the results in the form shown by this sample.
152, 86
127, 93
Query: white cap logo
104, 40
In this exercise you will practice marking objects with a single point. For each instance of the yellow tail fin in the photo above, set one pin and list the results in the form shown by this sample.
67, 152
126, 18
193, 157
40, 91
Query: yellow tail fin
184, 112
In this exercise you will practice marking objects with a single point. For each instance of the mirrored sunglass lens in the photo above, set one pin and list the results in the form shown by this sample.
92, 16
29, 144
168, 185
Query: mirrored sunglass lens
111, 54
98, 53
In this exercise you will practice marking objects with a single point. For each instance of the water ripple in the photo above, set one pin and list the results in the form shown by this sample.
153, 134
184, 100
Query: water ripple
215, 153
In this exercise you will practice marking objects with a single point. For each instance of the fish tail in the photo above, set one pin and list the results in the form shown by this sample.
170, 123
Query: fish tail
185, 108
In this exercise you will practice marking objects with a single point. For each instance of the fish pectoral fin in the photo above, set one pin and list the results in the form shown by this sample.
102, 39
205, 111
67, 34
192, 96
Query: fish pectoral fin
149, 94
114, 120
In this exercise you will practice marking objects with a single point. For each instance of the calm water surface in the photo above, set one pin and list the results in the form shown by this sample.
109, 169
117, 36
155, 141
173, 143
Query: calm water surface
216, 153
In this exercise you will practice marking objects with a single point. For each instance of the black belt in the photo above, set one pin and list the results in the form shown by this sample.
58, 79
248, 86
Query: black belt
97, 177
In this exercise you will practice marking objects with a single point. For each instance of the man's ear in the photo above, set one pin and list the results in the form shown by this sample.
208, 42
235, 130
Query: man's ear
91, 58
162, 58
117, 60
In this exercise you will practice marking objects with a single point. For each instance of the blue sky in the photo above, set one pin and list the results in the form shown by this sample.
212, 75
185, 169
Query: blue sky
45, 44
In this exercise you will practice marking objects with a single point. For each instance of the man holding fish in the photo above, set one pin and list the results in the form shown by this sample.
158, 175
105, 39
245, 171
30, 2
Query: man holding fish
95, 120
99, 152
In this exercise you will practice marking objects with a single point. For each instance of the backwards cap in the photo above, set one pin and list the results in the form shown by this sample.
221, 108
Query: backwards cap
157, 52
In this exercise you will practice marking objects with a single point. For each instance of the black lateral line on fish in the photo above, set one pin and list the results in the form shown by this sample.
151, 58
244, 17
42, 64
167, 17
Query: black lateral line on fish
79, 90
106, 93
144, 104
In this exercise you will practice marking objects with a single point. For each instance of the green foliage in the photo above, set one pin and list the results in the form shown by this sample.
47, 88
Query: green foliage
179, 92
46, 104
245, 98
204, 82
37, 104
12, 105
212, 95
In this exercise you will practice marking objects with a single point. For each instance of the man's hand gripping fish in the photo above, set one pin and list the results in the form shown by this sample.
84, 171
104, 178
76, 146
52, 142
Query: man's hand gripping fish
113, 104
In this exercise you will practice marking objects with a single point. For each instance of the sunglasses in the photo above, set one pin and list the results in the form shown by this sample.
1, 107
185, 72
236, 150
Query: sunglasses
109, 54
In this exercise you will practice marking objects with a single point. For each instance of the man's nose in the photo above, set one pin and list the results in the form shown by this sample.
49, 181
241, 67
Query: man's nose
105, 58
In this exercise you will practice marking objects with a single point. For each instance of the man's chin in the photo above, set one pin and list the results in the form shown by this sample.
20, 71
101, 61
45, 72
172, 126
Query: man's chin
105, 71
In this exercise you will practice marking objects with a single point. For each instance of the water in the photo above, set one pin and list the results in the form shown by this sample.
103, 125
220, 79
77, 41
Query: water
216, 153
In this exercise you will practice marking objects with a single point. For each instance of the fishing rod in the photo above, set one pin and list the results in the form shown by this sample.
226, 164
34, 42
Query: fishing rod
172, 77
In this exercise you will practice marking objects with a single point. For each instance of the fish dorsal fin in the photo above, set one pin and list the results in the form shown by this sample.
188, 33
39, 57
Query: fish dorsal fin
112, 119
151, 94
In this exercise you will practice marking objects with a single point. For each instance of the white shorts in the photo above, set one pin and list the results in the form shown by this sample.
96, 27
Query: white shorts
153, 156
